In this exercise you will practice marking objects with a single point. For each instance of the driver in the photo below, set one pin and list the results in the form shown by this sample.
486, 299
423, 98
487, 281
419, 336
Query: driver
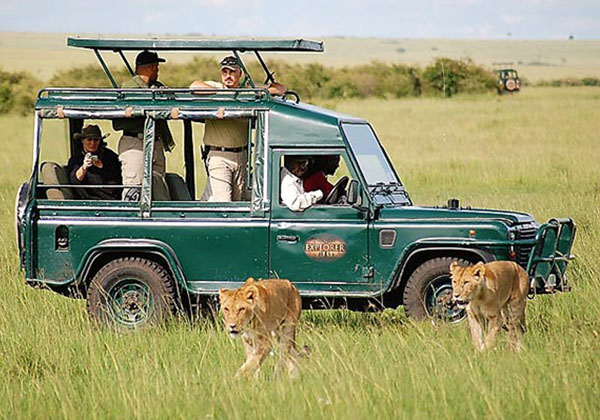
293, 194
316, 177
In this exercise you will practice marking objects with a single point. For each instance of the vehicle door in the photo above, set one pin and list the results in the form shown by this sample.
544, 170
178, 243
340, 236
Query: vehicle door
322, 249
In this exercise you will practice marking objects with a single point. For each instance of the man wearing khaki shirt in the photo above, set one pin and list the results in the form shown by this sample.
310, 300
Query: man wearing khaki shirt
226, 141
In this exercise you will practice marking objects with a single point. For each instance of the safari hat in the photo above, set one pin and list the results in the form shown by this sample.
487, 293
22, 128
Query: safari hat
229, 62
148, 57
91, 131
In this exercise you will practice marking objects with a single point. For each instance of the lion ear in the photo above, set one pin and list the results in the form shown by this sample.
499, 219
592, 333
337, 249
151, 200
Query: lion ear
223, 293
479, 270
453, 266
252, 294
249, 280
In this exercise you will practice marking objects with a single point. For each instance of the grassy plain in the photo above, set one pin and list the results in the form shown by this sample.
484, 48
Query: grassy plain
534, 59
537, 152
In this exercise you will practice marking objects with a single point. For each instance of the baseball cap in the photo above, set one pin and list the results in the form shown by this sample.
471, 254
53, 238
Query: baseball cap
230, 62
148, 57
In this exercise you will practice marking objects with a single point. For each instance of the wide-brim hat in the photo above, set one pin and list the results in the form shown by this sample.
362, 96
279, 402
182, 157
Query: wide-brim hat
91, 131
230, 62
148, 57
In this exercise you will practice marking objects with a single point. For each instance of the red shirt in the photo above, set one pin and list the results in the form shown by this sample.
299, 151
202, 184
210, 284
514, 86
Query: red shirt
318, 181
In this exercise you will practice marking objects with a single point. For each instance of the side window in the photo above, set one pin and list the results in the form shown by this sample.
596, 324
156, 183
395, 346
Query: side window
82, 166
226, 147
217, 162
313, 179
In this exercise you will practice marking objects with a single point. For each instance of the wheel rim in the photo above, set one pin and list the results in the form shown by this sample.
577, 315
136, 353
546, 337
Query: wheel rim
439, 303
130, 302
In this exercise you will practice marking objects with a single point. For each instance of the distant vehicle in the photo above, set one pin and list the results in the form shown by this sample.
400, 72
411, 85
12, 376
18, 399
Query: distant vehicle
508, 80
366, 246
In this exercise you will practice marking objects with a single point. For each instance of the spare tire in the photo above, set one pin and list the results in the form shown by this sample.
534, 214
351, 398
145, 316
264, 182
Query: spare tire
510, 84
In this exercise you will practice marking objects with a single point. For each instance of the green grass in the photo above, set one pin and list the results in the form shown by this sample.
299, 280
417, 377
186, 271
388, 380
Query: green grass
535, 59
537, 152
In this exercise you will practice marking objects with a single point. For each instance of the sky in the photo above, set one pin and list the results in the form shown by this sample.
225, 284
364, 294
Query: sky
471, 19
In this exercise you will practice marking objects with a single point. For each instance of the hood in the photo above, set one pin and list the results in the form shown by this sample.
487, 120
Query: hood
434, 213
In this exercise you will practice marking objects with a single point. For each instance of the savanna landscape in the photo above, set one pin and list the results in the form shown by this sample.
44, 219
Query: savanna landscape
536, 152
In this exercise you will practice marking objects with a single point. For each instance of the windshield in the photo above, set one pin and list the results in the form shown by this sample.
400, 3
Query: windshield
383, 183
370, 155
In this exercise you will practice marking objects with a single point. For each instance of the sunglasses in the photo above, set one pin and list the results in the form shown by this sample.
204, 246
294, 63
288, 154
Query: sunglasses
92, 139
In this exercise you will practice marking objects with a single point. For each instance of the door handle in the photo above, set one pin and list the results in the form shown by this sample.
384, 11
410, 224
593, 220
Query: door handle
288, 238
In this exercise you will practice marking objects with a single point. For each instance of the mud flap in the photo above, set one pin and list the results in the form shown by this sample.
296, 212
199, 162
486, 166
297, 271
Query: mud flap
550, 256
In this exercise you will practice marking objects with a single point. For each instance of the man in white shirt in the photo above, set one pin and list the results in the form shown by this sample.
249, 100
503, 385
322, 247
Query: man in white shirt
292, 188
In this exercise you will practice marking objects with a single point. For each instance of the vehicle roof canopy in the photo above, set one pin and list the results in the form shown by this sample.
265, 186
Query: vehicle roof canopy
119, 45
281, 45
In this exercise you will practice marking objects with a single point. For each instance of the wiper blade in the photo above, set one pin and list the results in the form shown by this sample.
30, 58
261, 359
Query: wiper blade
387, 188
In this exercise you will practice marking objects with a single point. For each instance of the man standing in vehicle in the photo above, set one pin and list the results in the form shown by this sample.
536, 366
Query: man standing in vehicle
131, 144
226, 141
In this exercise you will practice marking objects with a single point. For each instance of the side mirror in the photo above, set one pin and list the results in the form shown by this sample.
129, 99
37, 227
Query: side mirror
352, 194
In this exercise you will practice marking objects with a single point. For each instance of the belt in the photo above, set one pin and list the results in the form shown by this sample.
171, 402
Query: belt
226, 149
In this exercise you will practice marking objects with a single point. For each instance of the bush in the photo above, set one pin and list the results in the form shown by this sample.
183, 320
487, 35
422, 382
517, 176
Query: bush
456, 76
310, 81
570, 81
18, 91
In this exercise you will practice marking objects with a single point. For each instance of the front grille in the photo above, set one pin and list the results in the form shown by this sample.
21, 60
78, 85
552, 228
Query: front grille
523, 251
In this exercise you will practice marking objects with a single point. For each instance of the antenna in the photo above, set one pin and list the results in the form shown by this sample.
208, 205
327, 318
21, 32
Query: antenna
444, 146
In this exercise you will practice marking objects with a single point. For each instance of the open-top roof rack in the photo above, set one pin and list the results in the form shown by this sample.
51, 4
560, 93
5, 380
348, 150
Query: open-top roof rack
234, 45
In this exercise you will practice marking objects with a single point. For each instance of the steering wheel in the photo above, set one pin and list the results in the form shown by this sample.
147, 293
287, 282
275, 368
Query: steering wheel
338, 190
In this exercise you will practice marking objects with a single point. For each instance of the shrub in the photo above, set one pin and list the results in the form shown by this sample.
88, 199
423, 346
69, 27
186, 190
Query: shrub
18, 91
456, 76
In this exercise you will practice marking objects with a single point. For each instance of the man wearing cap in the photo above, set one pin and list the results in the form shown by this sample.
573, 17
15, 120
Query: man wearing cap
131, 144
226, 141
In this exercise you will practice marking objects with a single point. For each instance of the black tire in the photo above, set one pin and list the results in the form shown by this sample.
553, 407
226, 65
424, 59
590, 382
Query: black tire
131, 292
428, 291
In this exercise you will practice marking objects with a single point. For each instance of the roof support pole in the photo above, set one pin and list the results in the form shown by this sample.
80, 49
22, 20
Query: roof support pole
131, 72
188, 153
106, 70
241, 63
270, 78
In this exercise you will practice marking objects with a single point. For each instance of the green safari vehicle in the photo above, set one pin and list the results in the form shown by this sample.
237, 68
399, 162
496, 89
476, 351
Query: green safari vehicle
508, 79
367, 244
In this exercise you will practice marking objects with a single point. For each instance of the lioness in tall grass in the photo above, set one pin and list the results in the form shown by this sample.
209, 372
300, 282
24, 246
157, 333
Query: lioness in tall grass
492, 293
260, 311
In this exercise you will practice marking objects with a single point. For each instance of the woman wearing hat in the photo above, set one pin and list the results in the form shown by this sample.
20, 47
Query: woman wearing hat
95, 165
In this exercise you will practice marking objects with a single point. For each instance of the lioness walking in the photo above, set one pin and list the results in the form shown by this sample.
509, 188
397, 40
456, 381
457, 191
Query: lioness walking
492, 292
260, 311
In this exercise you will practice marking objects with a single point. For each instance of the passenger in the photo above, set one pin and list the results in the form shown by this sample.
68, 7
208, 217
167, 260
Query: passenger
95, 165
293, 194
226, 141
131, 144
316, 177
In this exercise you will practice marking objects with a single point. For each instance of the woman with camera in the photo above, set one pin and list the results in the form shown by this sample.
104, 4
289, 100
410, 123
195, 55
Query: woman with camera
95, 165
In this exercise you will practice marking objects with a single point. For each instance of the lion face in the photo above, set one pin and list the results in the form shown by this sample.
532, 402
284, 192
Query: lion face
238, 307
466, 282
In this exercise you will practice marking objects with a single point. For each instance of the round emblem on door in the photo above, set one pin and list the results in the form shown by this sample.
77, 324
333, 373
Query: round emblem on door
325, 248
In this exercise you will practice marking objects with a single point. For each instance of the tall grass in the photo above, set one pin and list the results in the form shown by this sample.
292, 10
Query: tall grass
535, 152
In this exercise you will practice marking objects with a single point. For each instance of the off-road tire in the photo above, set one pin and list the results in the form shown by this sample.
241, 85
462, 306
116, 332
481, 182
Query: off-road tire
436, 270
114, 293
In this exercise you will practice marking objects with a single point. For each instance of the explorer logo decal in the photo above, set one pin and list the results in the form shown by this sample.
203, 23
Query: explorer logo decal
325, 248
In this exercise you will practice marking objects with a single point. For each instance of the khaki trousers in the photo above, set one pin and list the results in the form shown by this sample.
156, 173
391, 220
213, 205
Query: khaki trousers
131, 155
226, 176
